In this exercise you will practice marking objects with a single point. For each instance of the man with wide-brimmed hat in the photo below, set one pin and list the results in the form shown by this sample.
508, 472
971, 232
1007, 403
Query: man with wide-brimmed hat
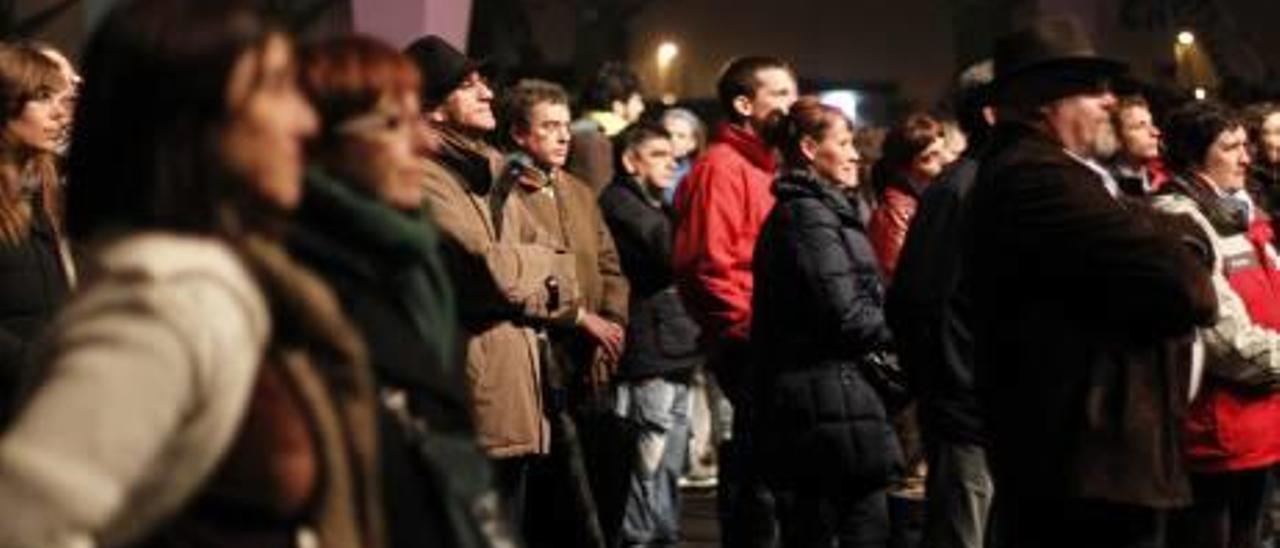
1084, 307
510, 275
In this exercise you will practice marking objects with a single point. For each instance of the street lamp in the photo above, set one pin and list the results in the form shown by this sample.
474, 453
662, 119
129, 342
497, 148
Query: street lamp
667, 53
1186, 38
666, 56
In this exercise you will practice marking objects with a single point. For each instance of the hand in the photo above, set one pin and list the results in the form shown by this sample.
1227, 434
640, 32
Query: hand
608, 335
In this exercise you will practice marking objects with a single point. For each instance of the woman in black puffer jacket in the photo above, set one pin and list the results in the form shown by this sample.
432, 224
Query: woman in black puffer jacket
827, 446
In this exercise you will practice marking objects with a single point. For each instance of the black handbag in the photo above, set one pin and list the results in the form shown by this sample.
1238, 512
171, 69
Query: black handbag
883, 372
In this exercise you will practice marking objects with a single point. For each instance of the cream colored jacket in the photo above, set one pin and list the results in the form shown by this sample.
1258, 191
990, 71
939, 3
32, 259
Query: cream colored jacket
150, 367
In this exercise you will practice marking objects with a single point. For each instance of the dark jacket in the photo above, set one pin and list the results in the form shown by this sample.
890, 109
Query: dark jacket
817, 303
1084, 309
385, 267
928, 310
661, 337
33, 286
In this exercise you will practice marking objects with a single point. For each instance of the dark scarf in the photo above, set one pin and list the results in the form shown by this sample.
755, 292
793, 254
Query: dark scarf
404, 239
1226, 220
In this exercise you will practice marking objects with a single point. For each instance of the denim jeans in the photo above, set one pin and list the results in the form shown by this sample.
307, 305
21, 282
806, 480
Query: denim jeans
659, 409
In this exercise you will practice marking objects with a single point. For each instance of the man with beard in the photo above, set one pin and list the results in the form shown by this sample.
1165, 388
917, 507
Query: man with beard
1084, 308
721, 206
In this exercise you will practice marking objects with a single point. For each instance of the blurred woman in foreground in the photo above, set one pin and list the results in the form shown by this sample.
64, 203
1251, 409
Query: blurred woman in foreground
202, 390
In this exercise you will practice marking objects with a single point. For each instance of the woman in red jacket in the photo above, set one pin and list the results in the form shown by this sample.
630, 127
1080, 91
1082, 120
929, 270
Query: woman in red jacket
914, 154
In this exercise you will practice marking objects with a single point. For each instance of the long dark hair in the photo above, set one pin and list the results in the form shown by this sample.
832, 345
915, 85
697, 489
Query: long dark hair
143, 151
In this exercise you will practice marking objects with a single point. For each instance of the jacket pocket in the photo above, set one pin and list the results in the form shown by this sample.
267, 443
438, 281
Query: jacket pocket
829, 432
675, 333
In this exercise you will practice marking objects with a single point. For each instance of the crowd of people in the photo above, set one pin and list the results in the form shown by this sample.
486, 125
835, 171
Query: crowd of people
266, 293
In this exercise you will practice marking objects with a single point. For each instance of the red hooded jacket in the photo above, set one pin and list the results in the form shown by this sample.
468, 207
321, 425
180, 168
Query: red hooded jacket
721, 206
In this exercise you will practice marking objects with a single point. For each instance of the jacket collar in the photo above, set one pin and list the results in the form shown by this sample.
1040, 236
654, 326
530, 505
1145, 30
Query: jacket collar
749, 145
611, 124
804, 183
630, 184
1225, 220
473, 159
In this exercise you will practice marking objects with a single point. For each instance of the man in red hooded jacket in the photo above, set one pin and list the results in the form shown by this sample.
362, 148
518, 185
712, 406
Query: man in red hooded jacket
721, 206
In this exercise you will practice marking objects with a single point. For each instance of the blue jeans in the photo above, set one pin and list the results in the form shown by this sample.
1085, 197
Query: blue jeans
659, 409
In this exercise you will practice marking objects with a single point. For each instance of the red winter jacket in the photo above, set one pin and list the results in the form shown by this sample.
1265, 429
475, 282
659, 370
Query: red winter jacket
889, 223
1229, 428
721, 206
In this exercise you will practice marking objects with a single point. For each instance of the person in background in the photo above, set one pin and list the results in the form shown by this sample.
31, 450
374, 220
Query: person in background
954, 141
711, 413
589, 340
1084, 310
1231, 439
1136, 164
362, 228
913, 154
36, 267
510, 277
688, 140
720, 208
927, 308
653, 388
1263, 125
203, 389
823, 433
610, 103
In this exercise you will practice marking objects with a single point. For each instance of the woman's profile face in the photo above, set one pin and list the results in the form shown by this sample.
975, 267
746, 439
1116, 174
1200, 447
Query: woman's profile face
834, 156
269, 119
380, 151
39, 126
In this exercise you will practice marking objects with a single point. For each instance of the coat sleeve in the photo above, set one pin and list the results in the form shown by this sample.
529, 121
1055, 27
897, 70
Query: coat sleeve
888, 229
1129, 269
708, 253
128, 368
830, 274
499, 278
1236, 348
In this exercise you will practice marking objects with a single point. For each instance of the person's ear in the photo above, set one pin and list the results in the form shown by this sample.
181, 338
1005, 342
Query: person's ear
743, 106
629, 162
808, 148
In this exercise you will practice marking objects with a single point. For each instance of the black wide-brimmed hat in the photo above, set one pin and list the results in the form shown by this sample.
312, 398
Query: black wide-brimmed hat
443, 67
1050, 49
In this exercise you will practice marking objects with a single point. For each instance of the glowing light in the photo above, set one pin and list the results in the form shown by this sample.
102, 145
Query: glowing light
667, 53
1186, 38
1200, 94
844, 99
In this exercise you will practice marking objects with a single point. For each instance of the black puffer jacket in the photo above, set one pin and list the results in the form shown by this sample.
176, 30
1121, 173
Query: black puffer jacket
818, 310
661, 337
